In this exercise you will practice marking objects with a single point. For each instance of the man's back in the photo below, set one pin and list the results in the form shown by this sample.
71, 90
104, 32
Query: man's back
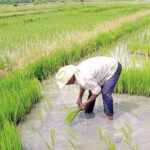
100, 68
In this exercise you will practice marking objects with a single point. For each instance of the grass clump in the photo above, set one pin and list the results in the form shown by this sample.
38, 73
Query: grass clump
110, 144
9, 137
126, 129
135, 80
71, 133
71, 115
141, 44
73, 144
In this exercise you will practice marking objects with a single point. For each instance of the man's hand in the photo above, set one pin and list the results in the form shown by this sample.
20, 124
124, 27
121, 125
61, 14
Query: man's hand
79, 102
84, 105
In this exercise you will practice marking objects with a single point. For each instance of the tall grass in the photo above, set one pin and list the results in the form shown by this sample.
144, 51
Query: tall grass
16, 97
105, 138
141, 44
135, 80
69, 117
126, 129
20, 33
9, 137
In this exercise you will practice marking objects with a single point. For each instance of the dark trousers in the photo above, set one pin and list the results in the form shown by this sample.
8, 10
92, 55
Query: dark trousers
107, 90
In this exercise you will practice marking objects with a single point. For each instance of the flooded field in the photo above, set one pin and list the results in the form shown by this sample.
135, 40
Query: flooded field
37, 38
132, 109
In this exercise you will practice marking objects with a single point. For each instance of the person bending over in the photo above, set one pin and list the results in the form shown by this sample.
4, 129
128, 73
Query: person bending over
98, 75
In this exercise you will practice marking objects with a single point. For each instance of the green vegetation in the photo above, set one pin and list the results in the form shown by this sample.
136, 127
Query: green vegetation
36, 28
9, 137
110, 144
73, 144
48, 143
126, 129
52, 140
18, 35
71, 115
21, 88
71, 133
141, 44
135, 80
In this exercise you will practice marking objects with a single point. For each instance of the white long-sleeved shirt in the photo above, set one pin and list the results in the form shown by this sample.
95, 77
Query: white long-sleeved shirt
92, 73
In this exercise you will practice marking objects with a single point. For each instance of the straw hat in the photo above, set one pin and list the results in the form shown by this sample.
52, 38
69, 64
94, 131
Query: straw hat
64, 74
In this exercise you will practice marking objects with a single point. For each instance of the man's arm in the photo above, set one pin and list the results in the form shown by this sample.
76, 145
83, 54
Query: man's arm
85, 105
79, 100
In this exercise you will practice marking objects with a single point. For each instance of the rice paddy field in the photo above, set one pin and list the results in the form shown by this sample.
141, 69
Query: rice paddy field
35, 40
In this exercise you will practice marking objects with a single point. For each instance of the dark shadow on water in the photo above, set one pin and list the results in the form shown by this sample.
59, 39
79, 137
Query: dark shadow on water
87, 115
119, 109
124, 107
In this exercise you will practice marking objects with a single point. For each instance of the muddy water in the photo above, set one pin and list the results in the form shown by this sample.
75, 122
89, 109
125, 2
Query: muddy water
35, 130
49, 114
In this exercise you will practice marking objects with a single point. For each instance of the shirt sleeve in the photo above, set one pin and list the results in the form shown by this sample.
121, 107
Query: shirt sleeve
93, 87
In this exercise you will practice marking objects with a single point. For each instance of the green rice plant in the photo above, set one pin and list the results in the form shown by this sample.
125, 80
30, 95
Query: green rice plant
35, 130
47, 108
52, 136
73, 144
149, 122
110, 144
3, 63
16, 98
141, 44
50, 144
17, 36
135, 80
66, 108
39, 115
71, 133
9, 137
127, 130
69, 117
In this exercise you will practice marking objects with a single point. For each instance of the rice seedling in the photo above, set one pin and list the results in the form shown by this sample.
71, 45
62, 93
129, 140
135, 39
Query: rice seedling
71, 133
141, 44
52, 136
47, 108
73, 144
27, 39
127, 130
70, 116
133, 81
110, 144
36, 130
49, 144
39, 115
149, 123
66, 108
9, 137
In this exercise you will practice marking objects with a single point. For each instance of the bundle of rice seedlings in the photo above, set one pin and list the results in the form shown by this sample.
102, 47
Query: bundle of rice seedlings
71, 115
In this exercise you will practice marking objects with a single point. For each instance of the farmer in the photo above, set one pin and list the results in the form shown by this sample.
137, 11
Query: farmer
97, 74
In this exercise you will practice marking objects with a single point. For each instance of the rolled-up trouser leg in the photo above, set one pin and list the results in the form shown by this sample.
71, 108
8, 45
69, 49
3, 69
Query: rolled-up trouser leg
92, 104
107, 90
